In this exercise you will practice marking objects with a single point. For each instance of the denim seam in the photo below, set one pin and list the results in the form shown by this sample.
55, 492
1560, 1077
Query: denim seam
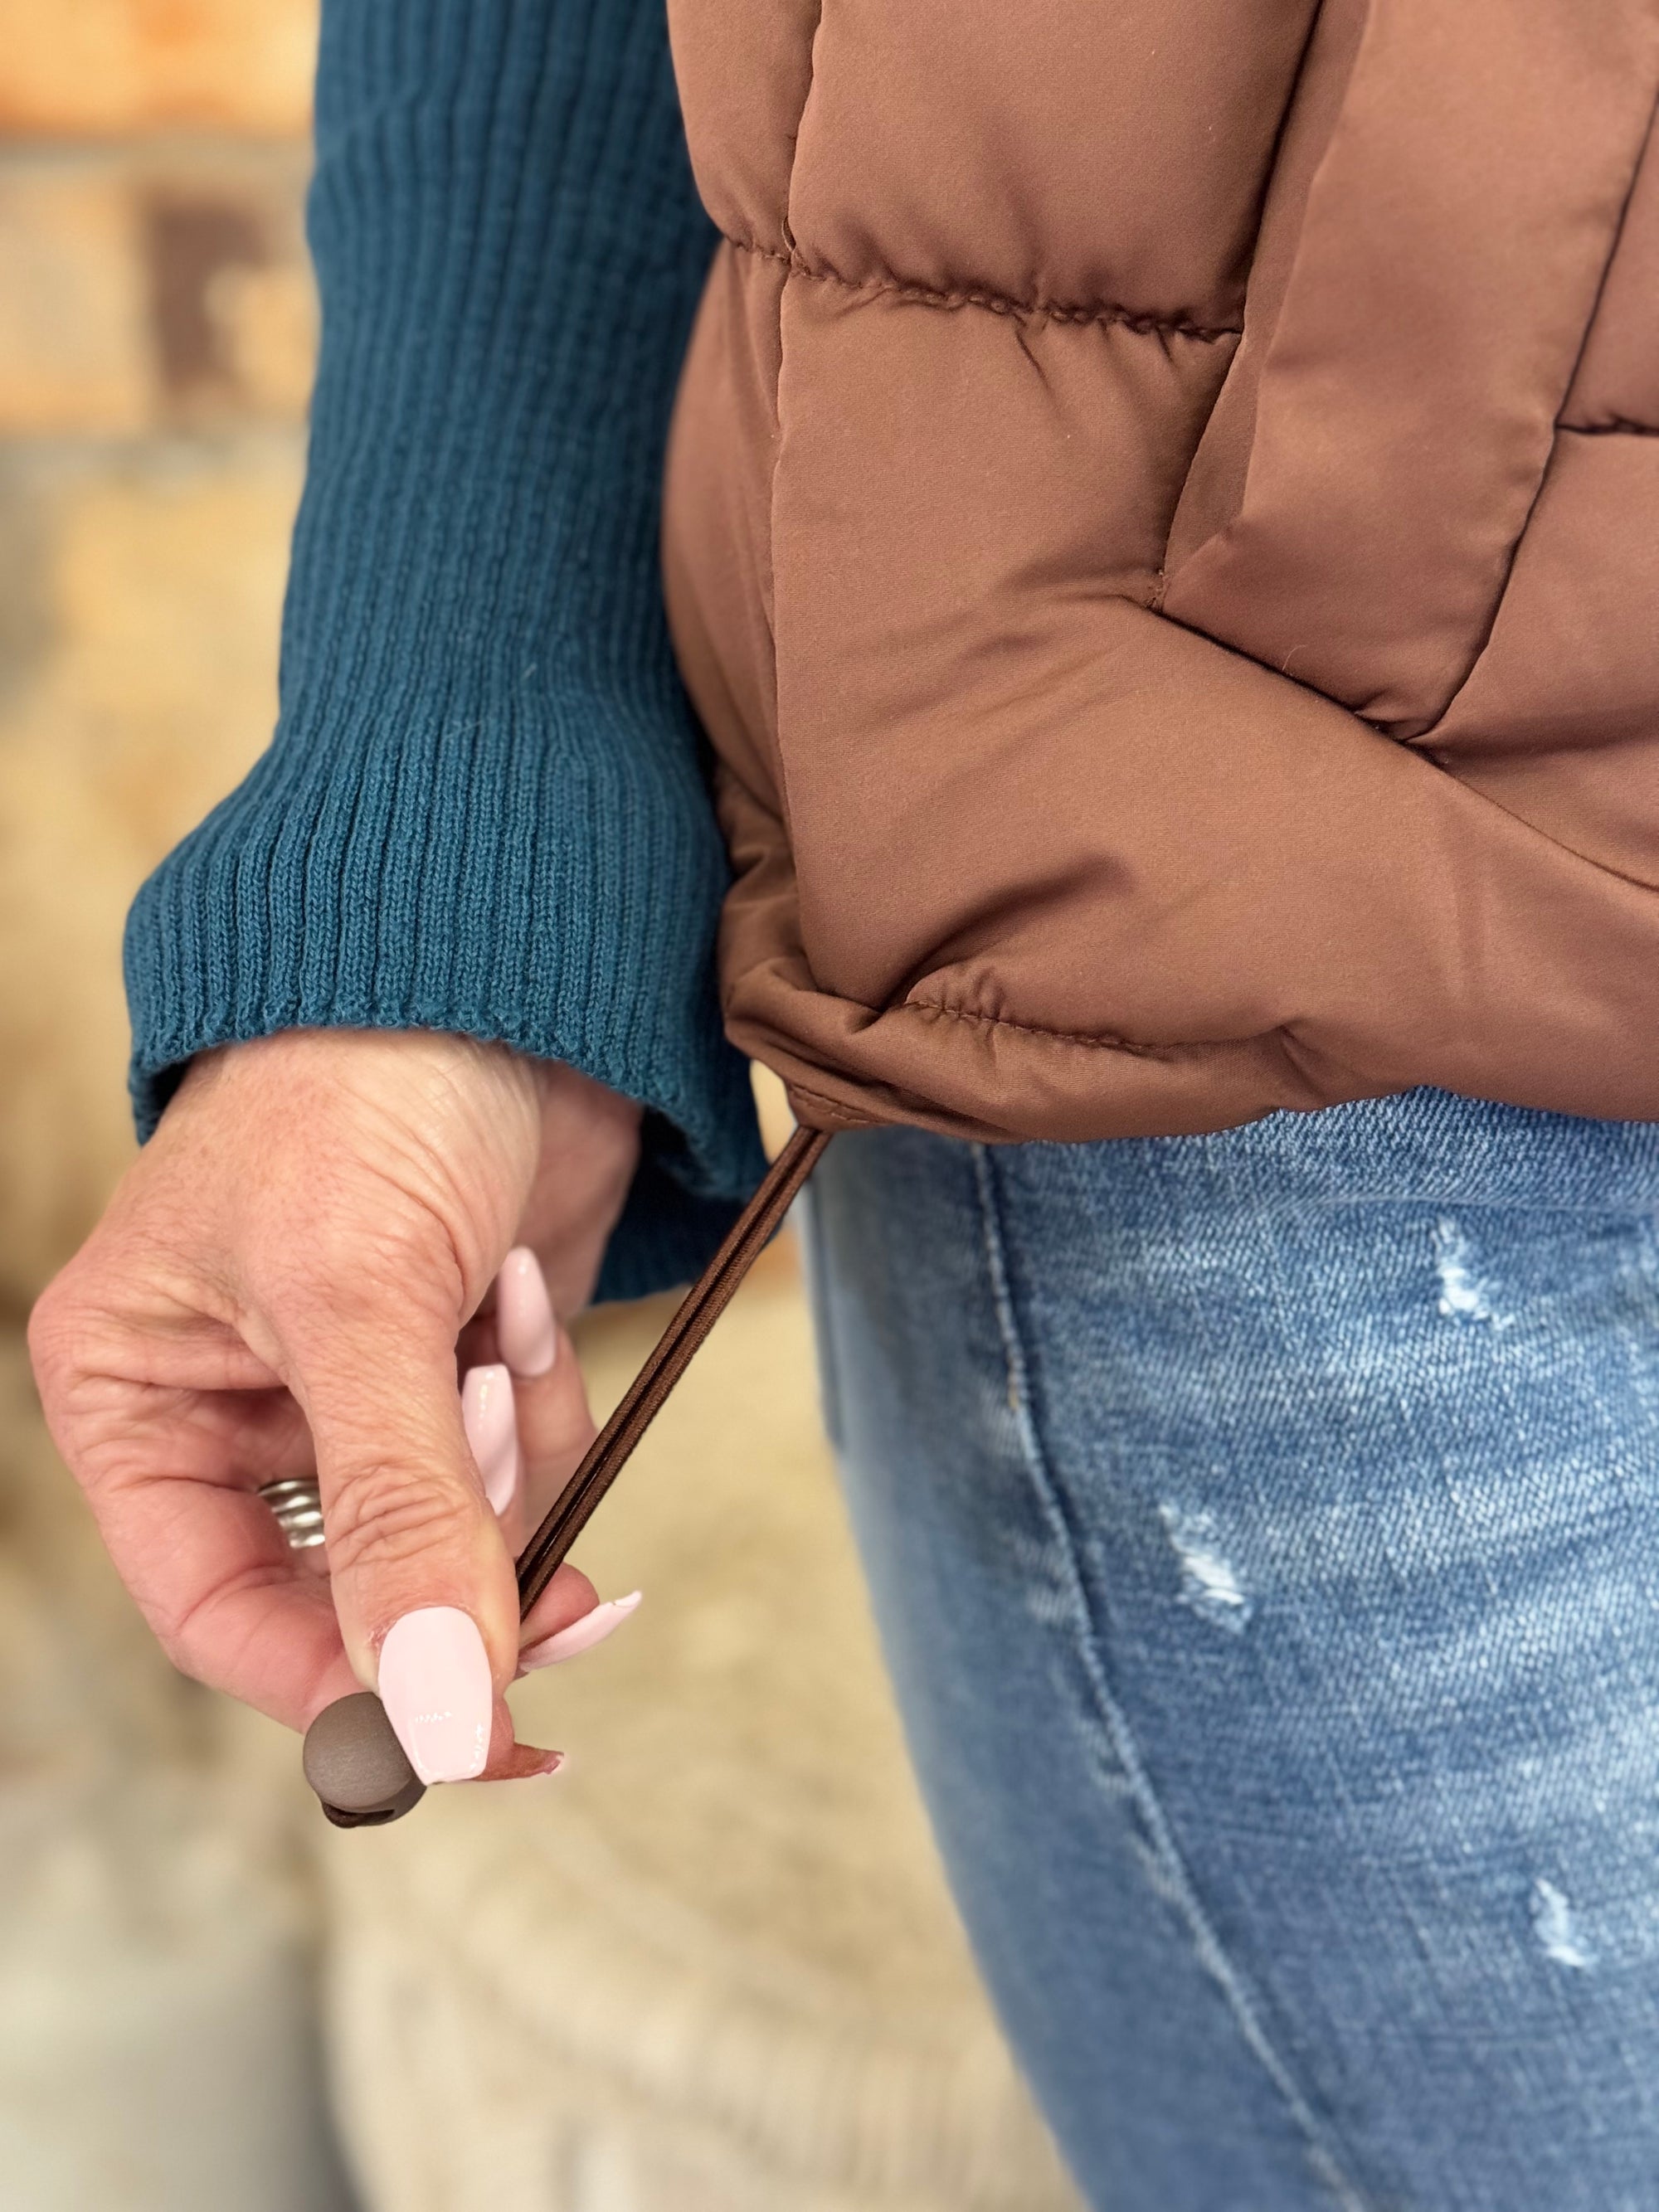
1211, 1955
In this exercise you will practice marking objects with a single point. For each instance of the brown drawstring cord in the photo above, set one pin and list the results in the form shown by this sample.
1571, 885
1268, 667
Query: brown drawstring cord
352, 1759
696, 1315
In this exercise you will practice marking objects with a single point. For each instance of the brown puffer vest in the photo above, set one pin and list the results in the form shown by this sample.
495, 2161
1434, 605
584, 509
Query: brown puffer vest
1163, 530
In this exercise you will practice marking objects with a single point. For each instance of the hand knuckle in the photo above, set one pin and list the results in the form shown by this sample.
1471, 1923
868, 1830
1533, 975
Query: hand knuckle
382, 1514
53, 1334
333, 1272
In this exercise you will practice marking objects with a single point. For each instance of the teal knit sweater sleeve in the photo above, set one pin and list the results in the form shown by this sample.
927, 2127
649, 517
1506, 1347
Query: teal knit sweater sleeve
485, 807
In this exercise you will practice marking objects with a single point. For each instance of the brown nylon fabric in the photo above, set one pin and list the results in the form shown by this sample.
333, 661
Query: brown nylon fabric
1162, 529
1446, 265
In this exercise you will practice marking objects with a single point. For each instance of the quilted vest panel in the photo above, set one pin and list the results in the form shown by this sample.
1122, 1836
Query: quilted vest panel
1161, 528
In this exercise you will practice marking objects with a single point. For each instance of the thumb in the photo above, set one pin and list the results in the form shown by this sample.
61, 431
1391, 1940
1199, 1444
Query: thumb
423, 1587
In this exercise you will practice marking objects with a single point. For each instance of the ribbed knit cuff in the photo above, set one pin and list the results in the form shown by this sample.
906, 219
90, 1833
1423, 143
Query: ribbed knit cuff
484, 885
483, 810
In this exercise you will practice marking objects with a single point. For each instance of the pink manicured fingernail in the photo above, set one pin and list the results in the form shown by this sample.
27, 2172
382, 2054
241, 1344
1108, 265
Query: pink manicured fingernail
581, 1635
524, 1314
492, 1432
434, 1684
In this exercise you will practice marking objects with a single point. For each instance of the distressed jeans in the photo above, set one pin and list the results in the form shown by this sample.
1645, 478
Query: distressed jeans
1263, 1531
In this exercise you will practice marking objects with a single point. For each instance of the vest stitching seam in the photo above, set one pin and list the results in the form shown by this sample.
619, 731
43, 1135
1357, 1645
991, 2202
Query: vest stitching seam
1034, 1028
1618, 427
997, 303
771, 555
1095, 1042
1557, 426
844, 1116
1159, 1837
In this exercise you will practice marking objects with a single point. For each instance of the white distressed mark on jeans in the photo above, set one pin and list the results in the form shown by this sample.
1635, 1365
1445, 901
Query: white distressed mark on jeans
1463, 1295
1209, 1583
1556, 1928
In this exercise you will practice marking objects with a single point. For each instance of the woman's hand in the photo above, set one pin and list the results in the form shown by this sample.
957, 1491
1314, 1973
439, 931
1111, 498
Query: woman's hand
290, 1277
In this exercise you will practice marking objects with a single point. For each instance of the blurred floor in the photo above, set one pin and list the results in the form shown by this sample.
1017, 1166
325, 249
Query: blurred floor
711, 1970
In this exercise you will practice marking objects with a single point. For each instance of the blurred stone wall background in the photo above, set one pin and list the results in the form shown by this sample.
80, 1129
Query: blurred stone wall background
712, 1967
156, 328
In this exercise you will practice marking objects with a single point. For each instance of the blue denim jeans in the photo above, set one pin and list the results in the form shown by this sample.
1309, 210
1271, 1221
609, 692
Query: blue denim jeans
1264, 1534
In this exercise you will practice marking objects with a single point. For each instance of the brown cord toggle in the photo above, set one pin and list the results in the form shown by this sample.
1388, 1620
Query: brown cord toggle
353, 1761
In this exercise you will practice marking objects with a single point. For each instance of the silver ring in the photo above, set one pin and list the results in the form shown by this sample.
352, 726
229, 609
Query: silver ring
299, 1510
